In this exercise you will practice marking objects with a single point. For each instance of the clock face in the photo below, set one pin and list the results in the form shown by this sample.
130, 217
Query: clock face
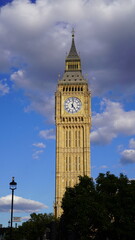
72, 104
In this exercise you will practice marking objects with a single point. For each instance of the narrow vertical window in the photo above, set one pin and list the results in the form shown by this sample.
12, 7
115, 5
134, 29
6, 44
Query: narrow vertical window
79, 164
66, 138
63, 184
66, 164
69, 163
69, 138
75, 138
76, 163
79, 139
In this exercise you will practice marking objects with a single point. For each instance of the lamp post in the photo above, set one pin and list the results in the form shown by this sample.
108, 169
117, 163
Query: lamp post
12, 186
8, 224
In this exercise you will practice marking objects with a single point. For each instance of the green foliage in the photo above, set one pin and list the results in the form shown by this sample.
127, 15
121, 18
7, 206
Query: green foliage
35, 227
101, 209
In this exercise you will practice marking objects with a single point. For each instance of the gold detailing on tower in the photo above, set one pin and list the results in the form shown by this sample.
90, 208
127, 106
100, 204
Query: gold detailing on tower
73, 123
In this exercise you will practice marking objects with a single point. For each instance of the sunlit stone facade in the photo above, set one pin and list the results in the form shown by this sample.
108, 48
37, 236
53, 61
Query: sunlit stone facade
73, 123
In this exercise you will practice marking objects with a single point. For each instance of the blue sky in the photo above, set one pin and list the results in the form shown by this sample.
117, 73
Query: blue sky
35, 37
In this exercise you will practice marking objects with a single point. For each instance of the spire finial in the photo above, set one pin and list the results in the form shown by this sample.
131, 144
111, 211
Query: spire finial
73, 32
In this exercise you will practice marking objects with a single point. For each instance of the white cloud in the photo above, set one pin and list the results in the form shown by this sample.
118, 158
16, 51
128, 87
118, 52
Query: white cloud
41, 100
42, 103
112, 122
132, 143
39, 145
25, 218
20, 80
36, 154
128, 156
4, 88
20, 204
40, 35
103, 166
47, 134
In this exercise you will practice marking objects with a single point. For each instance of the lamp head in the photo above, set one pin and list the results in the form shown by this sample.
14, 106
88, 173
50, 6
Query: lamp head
13, 184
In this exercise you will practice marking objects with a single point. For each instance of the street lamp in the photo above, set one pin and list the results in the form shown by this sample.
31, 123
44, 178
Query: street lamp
8, 224
12, 186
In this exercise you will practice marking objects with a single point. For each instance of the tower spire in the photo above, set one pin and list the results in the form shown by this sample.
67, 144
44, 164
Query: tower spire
73, 32
73, 62
73, 52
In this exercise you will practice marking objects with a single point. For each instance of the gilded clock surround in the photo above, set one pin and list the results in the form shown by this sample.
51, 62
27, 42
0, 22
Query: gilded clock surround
72, 129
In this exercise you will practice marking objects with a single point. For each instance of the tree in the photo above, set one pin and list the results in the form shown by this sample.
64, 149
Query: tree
118, 196
101, 209
35, 227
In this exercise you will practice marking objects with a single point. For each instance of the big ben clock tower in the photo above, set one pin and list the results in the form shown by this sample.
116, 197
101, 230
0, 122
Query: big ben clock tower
73, 122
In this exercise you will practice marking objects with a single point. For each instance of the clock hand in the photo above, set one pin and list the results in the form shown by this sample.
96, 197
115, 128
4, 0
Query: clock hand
73, 106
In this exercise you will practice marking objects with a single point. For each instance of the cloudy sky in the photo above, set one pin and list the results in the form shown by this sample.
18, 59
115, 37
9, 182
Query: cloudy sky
34, 39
